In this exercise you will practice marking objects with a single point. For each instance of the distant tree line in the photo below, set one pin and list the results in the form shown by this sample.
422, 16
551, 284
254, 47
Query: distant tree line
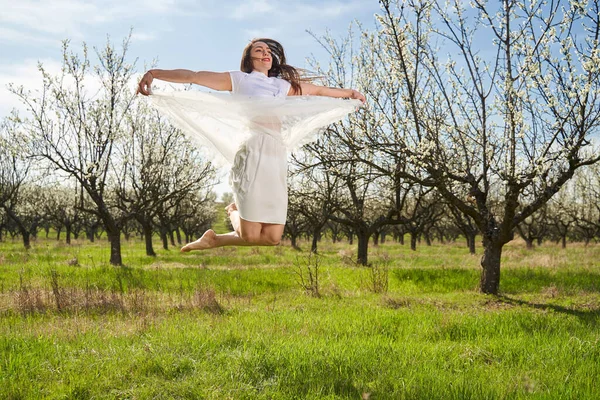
573, 215
482, 120
479, 113
99, 161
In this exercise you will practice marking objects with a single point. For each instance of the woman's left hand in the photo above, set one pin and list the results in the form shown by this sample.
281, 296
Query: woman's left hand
358, 95
145, 84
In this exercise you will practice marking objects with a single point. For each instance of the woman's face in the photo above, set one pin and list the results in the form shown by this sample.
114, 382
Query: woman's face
261, 56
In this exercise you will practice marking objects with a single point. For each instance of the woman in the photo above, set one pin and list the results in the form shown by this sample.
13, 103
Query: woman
253, 130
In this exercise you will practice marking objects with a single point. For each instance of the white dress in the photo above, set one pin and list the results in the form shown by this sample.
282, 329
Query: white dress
253, 129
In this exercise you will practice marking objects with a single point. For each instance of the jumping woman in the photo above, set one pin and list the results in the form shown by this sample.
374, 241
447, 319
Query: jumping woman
270, 111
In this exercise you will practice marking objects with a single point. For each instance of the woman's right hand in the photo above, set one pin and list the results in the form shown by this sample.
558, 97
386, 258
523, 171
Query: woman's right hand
144, 86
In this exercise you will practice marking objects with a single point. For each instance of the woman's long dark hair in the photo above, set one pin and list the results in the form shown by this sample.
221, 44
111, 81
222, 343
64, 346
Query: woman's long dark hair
279, 68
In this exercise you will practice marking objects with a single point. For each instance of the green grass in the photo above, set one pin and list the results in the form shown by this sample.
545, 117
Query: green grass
234, 323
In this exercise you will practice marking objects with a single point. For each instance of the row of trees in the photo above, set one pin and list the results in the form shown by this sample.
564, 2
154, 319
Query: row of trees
112, 159
487, 108
42, 209
491, 107
316, 210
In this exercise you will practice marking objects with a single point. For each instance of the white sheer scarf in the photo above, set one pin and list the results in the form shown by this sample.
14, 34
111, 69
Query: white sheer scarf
223, 121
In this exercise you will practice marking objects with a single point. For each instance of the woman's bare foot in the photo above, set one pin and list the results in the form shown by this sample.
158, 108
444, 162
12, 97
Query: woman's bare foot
207, 241
230, 208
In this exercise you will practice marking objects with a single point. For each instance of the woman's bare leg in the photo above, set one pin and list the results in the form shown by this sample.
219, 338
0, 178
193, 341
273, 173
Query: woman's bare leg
272, 234
211, 240
234, 217
256, 234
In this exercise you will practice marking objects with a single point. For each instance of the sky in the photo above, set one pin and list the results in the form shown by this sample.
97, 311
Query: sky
191, 34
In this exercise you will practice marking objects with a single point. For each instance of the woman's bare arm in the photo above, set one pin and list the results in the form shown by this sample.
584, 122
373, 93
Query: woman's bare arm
315, 90
212, 80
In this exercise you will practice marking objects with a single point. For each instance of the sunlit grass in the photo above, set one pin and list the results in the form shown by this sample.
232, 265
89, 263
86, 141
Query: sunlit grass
235, 323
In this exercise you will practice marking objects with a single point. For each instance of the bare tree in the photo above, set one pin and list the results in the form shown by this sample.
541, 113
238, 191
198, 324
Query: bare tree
586, 204
511, 128
60, 209
159, 166
420, 212
466, 225
194, 214
15, 168
295, 224
317, 191
372, 192
3, 223
534, 227
75, 129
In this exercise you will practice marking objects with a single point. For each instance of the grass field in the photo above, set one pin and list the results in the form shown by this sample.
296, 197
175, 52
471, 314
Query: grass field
236, 323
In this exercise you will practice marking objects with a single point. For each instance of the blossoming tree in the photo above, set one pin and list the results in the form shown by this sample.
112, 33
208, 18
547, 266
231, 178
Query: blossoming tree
496, 104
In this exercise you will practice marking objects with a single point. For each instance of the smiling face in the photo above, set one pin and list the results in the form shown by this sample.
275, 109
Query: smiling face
262, 59
263, 55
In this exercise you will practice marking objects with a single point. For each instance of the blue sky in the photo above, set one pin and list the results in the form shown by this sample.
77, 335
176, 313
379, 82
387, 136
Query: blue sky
197, 35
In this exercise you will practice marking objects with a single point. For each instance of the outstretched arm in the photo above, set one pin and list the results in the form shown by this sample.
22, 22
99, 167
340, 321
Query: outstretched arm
212, 80
315, 90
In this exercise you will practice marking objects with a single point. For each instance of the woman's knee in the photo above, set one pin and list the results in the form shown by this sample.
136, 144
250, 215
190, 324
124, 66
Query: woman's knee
272, 239
251, 237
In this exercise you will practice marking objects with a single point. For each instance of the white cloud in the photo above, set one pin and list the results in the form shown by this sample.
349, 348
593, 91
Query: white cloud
25, 74
35, 21
15, 36
279, 12
265, 33
56, 17
329, 10
142, 37
254, 9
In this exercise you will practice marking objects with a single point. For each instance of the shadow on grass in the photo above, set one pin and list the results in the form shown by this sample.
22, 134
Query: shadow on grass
535, 279
439, 280
590, 316
513, 280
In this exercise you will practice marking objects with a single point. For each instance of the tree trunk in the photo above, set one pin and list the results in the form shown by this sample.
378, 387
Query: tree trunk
58, 233
147, 229
91, 233
413, 241
427, 238
471, 242
178, 234
171, 237
382, 238
363, 246
164, 238
26, 239
564, 241
441, 236
376, 239
528, 243
351, 238
401, 238
490, 264
68, 233
316, 236
294, 240
21, 228
114, 237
